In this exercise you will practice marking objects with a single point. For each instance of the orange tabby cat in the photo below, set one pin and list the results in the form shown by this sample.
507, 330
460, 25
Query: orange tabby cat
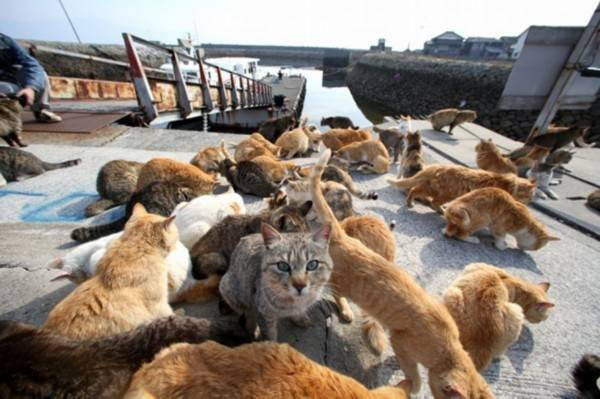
489, 305
130, 285
254, 146
208, 159
534, 156
164, 169
421, 329
497, 210
335, 139
439, 184
298, 141
489, 158
372, 153
276, 170
251, 371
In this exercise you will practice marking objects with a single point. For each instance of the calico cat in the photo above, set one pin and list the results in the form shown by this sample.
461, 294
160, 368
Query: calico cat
208, 159
338, 122
497, 210
257, 370
489, 306
248, 178
35, 363
254, 146
17, 164
489, 158
450, 117
272, 128
421, 329
371, 152
412, 158
586, 375
336, 195
159, 198
11, 124
169, 170
116, 183
211, 254
130, 285
439, 184
273, 276
335, 139
298, 141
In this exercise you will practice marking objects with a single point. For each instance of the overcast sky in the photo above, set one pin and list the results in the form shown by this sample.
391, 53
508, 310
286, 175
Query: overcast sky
347, 23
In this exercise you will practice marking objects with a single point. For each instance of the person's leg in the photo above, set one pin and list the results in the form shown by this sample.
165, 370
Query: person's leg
8, 88
41, 105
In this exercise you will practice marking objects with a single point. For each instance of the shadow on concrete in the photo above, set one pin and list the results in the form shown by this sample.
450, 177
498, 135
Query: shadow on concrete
36, 311
410, 223
520, 350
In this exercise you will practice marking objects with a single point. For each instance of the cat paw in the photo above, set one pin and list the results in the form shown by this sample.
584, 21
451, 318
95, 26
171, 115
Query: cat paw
302, 321
552, 195
472, 240
346, 315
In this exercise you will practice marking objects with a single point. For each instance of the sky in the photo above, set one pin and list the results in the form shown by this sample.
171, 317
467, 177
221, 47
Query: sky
326, 23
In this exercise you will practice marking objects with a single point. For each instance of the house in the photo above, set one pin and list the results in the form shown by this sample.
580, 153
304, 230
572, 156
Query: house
381, 46
482, 47
448, 43
507, 44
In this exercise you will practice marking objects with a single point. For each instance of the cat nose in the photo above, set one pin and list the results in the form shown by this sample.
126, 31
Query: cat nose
299, 286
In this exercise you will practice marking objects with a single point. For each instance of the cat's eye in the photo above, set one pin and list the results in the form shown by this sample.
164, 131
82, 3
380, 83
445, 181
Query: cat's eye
283, 267
312, 265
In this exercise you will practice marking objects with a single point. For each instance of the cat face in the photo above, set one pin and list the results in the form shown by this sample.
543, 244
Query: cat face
525, 191
290, 218
413, 138
296, 267
459, 384
485, 146
537, 307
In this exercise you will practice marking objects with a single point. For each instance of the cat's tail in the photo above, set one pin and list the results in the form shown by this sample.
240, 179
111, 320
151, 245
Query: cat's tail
202, 291
405, 183
83, 234
366, 195
320, 206
99, 206
375, 335
585, 376
225, 152
58, 165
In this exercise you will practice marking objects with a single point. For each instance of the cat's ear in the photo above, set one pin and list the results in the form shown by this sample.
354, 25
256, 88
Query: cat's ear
545, 305
451, 391
322, 235
168, 221
269, 234
138, 210
552, 238
305, 208
545, 286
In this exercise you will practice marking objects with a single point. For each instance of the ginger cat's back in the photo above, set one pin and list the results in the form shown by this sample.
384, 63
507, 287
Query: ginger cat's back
489, 158
335, 139
185, 174
373, 152
130, 287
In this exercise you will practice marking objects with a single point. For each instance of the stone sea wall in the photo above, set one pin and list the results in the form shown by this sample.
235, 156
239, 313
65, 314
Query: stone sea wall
419, 85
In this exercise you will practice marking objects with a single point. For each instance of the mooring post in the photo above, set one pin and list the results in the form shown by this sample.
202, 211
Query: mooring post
140, 82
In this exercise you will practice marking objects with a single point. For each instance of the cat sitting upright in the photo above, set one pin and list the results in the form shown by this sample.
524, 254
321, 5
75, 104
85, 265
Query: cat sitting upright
489, 158
11, 124
274, 276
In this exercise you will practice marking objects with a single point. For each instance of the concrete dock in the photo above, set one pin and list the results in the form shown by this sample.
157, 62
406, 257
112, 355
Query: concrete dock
37, 216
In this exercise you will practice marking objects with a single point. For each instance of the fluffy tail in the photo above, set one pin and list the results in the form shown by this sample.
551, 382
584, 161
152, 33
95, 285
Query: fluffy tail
98, 207
83, 234
226, 153
585, 375
202, 291
361, 194
375, 335
58, 165
403, 183
324, 212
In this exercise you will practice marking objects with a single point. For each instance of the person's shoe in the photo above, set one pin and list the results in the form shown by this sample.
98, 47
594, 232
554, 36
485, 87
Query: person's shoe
46, 116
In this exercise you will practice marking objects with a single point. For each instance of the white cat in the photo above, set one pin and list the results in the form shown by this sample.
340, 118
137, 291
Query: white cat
196, 217
80, 264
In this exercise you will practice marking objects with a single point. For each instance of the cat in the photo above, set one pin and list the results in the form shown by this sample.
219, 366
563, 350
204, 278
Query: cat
272, 128
450, 117
11, 124
38, 363
421, 329
208, 159
593, 200
278, 171
339, 175
116, 183
130, 286
273, 276
336, 195
211, 254
489, 306
439, 184
338, 122
16, 164
196, 217
159, 198
371, 152
393, 140
335, 139
257, 370
412, 158
543, 173
536, 155
297, 142
248, 177
558, 137
489, 158
586, 375
254, 146
497, 210
169, 170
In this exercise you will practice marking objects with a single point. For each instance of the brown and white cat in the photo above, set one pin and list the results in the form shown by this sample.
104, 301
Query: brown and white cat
370, 152
412, 159
11, 124
451, 117
209, 158
257, 370
497, 210
254, 146
421, 329
298, 141
335, 139
489, 306
165, 169
130, 285
336, 195
438, 184
489, 158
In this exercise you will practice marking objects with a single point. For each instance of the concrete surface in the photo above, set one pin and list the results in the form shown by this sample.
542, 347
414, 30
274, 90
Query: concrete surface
37, 215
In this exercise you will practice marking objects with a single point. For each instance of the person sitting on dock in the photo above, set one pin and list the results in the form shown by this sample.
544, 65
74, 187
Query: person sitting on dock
22, 75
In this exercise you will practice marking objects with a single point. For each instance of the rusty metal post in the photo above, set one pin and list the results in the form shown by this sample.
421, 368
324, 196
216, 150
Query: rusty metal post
208, 104
235, 102
243, 92
183, 98
140, 82
222, 94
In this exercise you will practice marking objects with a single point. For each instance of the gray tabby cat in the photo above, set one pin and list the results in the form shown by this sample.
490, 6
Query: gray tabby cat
116, 183
543, 173
274, 276
393, 140
10, 121
247, 177
17, 164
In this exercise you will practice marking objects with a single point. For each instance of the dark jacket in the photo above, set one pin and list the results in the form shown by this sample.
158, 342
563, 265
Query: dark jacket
16, 66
